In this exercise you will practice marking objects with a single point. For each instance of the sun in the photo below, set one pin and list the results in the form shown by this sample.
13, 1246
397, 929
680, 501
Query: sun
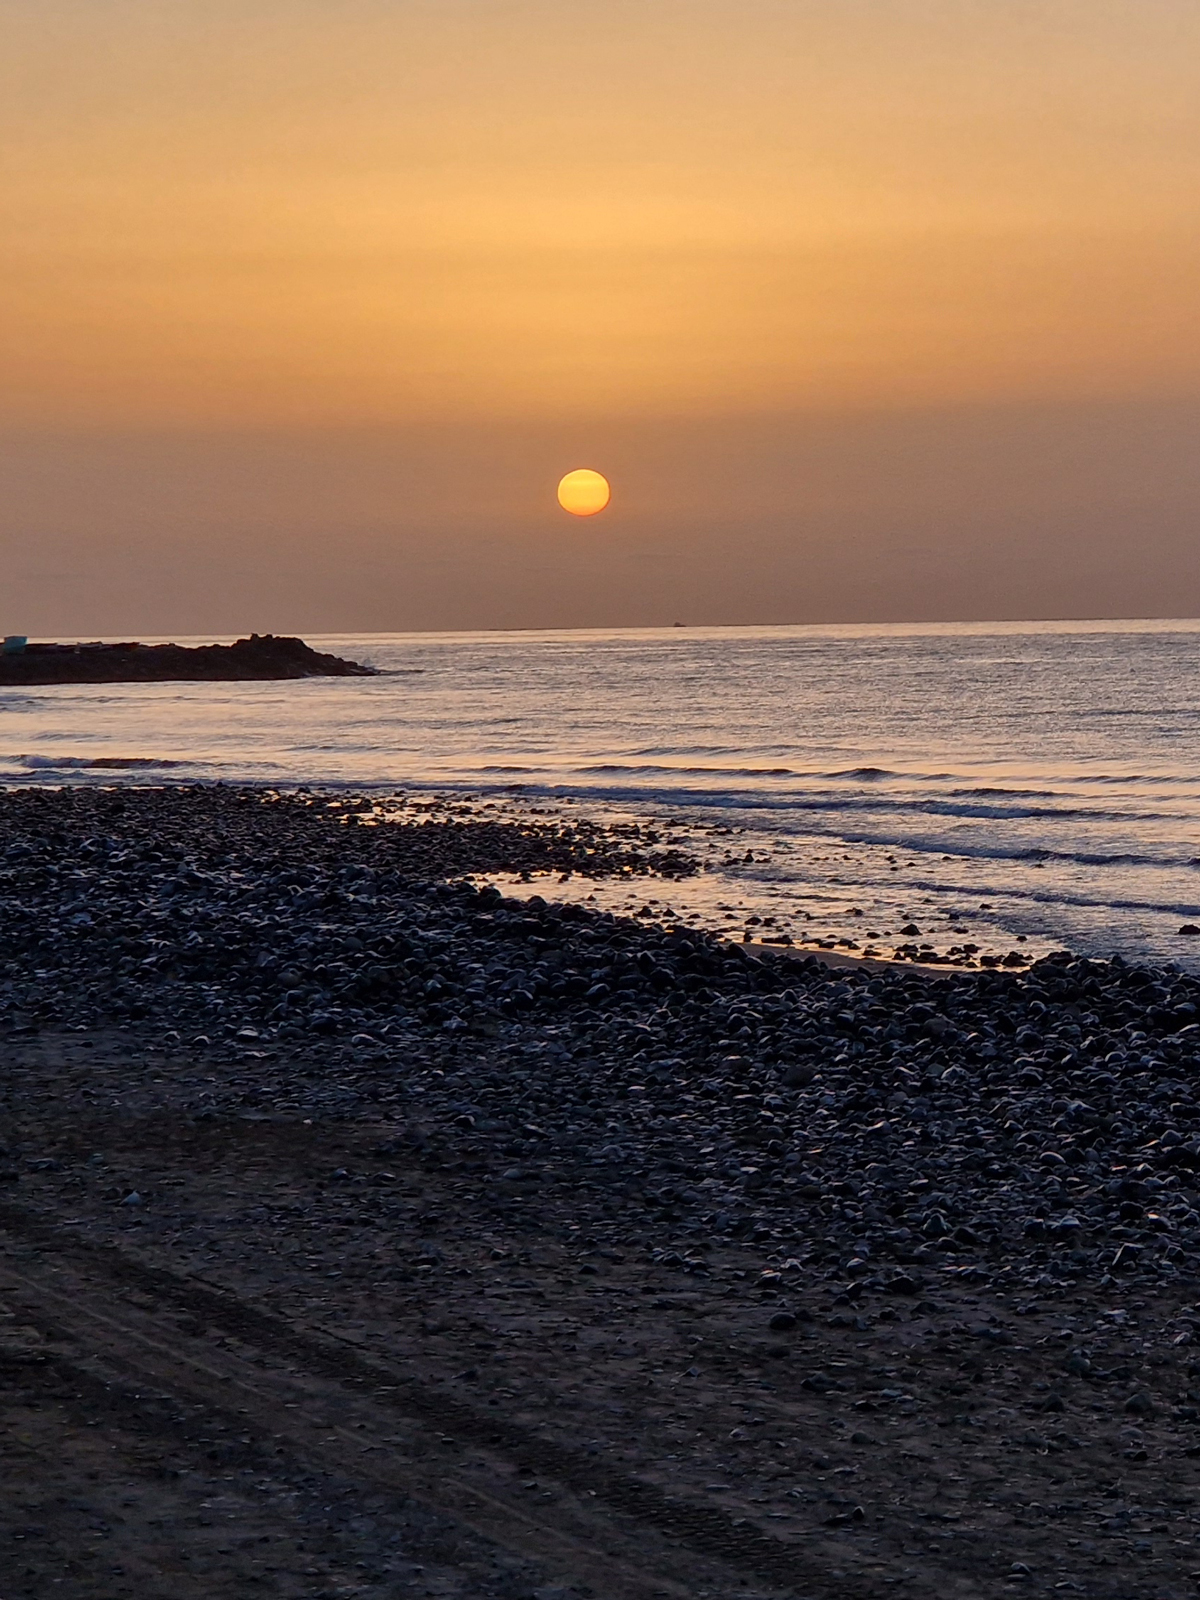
583, 492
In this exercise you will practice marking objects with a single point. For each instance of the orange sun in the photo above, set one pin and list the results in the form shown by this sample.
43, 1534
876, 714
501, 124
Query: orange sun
583, 492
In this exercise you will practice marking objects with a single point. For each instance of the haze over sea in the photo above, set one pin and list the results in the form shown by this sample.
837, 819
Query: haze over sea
984, 783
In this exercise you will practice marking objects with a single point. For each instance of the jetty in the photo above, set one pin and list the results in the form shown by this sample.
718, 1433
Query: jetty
262, 656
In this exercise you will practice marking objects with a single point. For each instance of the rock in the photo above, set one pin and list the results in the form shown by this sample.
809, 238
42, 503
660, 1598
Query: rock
842, 1519
261, 656
900, 1283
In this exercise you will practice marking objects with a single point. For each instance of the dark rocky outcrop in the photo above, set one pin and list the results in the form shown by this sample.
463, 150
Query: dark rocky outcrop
261, 656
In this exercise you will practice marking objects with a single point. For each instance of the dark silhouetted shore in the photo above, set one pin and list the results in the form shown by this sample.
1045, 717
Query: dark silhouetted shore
261, 656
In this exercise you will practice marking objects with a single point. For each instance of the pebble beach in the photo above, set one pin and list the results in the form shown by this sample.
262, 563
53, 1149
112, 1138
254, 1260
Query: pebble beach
794, 1278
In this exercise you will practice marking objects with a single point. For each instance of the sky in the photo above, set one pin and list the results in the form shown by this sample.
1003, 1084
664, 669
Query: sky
869, 309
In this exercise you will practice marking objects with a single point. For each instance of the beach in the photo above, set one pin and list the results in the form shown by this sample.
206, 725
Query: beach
371, 1232
599, 801
968, 791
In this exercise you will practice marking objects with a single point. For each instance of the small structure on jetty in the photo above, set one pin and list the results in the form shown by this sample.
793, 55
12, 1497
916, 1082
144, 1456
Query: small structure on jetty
261, 656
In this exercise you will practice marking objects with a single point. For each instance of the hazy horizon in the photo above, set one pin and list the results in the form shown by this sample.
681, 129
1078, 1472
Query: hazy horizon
868, 312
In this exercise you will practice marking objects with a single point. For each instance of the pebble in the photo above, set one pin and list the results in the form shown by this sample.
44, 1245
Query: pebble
888, 1130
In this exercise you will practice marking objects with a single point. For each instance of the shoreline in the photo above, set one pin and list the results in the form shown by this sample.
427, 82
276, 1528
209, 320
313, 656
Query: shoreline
855, 963
751, 1265
981, 834
709, 887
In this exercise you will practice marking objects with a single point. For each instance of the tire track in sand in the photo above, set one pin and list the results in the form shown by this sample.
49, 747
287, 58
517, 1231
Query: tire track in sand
339, 1407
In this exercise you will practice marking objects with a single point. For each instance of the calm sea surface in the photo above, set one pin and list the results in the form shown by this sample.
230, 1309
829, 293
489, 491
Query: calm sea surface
979, 782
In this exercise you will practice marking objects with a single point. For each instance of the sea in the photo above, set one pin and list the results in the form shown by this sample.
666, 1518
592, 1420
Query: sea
963, 791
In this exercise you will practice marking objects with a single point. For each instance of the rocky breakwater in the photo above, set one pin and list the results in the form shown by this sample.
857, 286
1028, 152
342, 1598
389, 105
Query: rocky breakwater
260, 657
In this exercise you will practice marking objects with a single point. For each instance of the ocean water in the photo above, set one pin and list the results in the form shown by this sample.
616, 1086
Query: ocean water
1015, 785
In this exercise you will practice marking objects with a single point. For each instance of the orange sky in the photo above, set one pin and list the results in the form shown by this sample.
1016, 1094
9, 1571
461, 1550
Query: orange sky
296, 219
